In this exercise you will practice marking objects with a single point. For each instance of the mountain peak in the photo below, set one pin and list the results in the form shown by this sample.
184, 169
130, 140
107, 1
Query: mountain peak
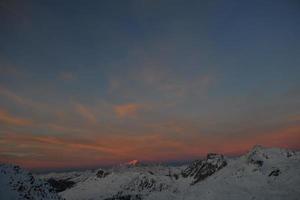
201, 169
133, 163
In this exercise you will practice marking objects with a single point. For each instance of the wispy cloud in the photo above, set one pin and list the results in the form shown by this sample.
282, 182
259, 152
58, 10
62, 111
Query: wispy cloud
23, 101
63, 128
67, 76
12, 96
85, 112
8, 70
149, 145
154, 84
177, 85
19, 154
294, 118
127, 110
7, 118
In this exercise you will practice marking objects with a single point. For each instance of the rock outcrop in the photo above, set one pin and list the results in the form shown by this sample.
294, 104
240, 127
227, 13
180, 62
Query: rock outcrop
201, 169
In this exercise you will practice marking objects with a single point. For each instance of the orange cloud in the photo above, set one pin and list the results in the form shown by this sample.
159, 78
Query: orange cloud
85, 113
127, 110
285, 137
7, 118
153, 144
294, 118
61, 128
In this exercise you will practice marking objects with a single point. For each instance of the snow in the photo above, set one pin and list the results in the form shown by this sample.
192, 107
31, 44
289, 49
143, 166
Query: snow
246, 177
16, 183
243, 178
262, 173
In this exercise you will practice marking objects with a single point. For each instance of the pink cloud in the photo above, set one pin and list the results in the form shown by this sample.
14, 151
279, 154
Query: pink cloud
7, 118
127, 110
85, 113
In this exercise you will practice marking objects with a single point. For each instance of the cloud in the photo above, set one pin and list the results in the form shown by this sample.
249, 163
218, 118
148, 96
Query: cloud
127, 110
85, 113
63, 128
150, 145
86, 148
294, 118
93, 152
285, 137
23, 101
67, 76
11, 95
7, 118
174, 84
159, 85
18, 154
8, 70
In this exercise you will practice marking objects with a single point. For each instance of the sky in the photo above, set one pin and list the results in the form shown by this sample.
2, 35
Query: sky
95, 83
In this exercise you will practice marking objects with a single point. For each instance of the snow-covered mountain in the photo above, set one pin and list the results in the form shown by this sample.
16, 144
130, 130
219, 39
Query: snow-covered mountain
133, 163
262, 173
16, 183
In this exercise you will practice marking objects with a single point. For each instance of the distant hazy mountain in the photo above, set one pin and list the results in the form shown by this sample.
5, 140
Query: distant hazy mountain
262, 173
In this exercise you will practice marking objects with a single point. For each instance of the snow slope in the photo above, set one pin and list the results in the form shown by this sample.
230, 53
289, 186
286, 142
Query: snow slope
263, 173
16, 183
260, 174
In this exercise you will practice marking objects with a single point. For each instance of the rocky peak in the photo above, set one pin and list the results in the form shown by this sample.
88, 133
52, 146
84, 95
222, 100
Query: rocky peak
201, 169
101, 173
144, 183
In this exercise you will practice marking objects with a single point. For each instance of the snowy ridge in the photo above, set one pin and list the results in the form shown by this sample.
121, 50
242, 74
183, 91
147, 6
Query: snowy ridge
120, 182
262, 173
16, 183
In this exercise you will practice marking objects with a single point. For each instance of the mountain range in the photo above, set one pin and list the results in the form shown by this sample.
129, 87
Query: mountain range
262, 173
